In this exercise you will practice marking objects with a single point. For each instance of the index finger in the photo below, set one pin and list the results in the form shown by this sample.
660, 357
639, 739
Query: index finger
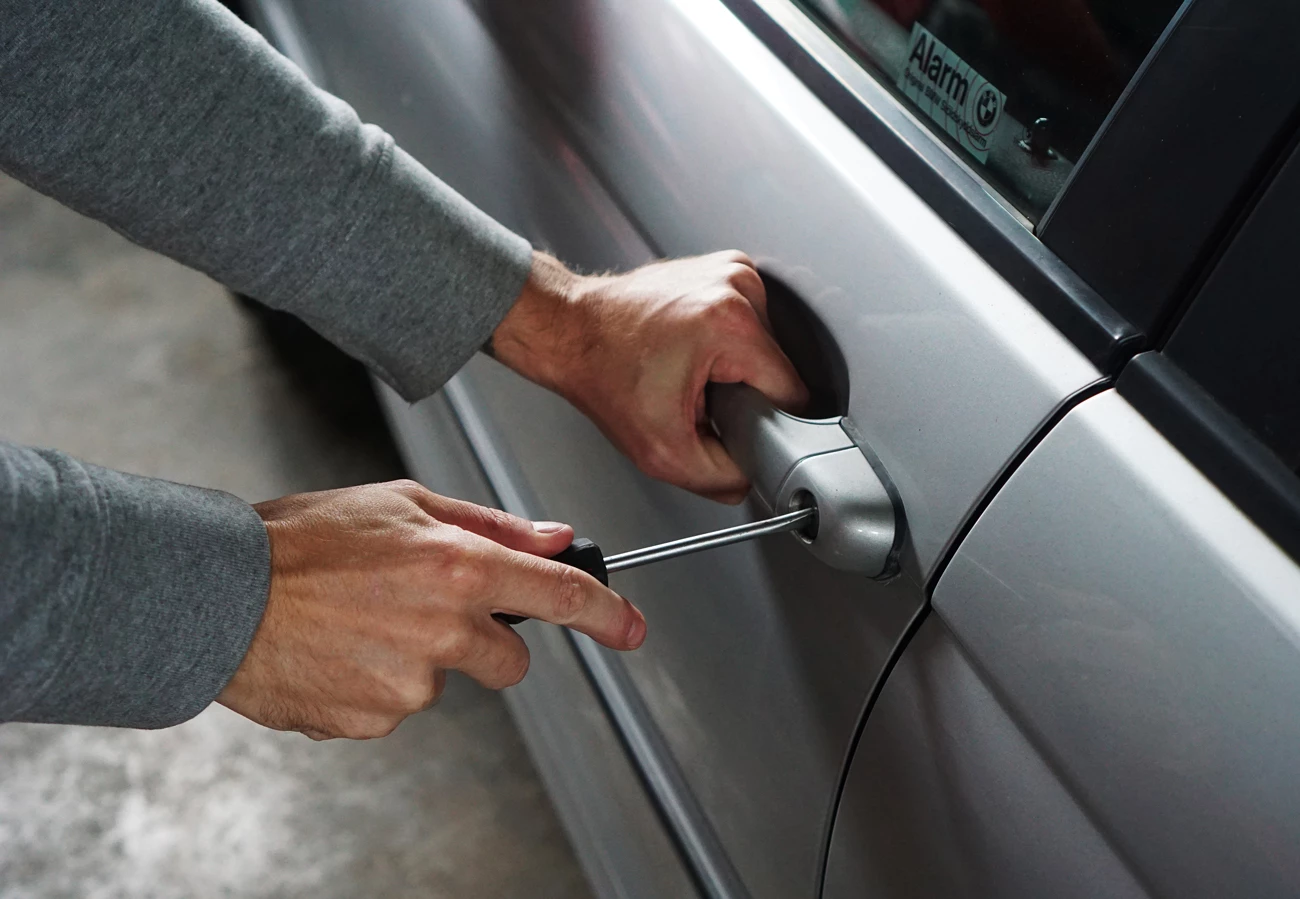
748, 282
561, 594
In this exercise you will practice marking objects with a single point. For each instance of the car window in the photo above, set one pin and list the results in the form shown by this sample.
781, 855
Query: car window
1225, 387
1016, 87
1238, 336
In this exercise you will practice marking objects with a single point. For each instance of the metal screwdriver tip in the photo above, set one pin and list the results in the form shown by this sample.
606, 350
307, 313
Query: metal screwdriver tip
779, 524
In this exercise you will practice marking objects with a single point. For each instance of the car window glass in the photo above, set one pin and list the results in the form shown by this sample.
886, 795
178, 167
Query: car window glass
1237, 339
1016, 87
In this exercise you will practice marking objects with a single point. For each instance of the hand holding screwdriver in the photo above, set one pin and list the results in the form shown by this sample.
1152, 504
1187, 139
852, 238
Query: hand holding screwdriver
359, 631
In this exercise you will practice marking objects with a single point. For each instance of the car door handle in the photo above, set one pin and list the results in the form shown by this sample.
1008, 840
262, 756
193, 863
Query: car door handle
797, 462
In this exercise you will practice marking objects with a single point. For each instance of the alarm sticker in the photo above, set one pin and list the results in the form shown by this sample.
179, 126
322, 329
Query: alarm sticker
957, 98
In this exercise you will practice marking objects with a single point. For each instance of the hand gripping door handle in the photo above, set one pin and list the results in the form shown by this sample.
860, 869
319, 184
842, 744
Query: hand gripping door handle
796, 462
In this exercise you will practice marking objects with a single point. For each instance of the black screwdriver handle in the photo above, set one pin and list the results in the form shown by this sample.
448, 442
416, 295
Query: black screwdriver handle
582, 554
585, 555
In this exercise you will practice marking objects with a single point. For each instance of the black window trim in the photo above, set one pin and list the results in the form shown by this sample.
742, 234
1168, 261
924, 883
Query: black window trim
1118, 202
1218, 444
1165, 386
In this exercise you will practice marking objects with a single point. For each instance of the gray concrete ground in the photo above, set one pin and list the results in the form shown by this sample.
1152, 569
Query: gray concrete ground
129, 360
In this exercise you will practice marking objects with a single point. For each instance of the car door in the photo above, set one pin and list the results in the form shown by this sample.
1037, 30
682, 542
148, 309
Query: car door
1103, 699
611, 132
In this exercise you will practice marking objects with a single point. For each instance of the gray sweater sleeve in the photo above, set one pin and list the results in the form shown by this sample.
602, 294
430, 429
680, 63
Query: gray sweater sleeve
128, 601
123, 600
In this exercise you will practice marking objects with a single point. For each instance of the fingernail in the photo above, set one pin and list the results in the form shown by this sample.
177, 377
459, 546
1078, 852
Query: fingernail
548, 527
636, 633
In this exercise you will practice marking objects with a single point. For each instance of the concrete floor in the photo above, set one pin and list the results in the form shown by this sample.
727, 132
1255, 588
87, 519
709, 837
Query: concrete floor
129, 360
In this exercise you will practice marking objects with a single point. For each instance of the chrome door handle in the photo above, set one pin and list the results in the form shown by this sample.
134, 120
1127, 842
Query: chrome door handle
795, 462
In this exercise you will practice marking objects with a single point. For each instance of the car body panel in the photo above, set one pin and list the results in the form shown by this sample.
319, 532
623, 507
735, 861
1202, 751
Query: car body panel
1145, 637
948, 797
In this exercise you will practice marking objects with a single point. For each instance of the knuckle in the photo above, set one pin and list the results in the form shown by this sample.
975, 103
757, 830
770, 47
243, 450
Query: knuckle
455, 568
498, 521
731, 311
407, 487
454, 647
570, 598
411, 696
739, 273
465, 577
416, 495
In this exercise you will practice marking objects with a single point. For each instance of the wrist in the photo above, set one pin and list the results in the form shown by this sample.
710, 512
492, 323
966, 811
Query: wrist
542, 333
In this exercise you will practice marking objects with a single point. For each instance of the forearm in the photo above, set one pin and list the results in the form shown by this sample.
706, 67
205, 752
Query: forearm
181, 128
123, 600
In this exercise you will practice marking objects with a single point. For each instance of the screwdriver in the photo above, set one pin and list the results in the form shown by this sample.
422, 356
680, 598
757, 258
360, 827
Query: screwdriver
584, 554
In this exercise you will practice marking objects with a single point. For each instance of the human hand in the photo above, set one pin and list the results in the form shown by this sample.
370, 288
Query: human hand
635, 351
377, 591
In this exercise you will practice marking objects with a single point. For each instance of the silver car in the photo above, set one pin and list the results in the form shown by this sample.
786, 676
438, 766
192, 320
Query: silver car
1037, 260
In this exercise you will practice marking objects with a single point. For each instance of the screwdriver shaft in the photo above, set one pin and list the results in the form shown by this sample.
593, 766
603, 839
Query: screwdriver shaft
779, 524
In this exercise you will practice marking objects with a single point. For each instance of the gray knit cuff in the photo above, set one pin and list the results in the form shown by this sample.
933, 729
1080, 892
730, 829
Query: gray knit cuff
173, 591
